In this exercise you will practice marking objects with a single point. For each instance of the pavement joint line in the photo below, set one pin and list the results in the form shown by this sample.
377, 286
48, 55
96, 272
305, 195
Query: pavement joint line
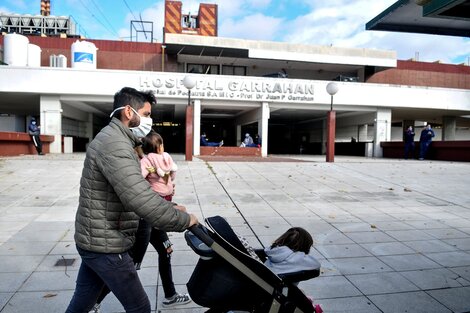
417, 191
446, 180
233, 202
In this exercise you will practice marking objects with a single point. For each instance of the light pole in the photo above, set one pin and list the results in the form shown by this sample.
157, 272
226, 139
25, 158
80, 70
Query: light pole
189, 82
163, 57
332, 88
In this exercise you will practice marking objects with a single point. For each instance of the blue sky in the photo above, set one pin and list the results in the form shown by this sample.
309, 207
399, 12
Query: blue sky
334, 22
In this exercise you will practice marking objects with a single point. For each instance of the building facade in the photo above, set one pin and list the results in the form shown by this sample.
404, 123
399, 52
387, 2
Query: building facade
276, 90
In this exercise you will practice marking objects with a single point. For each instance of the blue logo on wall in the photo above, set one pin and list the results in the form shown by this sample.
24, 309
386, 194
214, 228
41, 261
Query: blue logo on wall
83, 57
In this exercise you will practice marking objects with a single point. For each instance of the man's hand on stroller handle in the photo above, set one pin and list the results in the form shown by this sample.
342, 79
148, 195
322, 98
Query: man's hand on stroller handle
193, 220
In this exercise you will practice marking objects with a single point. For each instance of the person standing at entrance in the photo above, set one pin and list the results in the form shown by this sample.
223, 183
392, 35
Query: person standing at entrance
113, 198
34, 132
409, 142
425, 141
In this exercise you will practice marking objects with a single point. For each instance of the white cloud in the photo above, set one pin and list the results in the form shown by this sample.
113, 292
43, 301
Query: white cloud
20, 7
255, 27
4, 10
332, 22
342, 23
259, 3
21, 4
428, 48
229, 9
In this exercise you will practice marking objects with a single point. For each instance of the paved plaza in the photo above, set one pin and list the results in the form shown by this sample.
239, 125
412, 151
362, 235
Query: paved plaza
391, 235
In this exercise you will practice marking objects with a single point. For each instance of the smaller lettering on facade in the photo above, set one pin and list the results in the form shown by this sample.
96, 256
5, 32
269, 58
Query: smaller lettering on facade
225, 88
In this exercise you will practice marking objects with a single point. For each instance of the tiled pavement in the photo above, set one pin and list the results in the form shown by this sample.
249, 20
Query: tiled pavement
392, 235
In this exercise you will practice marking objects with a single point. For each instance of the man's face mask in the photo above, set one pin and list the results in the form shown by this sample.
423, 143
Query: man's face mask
144, 127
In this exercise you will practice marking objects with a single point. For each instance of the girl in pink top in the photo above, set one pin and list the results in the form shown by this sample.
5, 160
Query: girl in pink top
158, 166
159, 170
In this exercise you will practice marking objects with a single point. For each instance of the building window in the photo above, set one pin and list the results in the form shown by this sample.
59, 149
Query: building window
203, 69
234, 70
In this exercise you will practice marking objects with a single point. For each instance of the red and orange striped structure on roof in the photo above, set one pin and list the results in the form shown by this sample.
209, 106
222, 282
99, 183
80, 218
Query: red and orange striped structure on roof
202, 24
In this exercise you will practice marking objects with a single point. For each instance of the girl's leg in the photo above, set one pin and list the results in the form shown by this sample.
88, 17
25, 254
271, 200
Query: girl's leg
142, 238
157, 238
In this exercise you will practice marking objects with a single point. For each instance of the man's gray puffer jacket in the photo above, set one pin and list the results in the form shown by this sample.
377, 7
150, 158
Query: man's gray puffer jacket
113, 195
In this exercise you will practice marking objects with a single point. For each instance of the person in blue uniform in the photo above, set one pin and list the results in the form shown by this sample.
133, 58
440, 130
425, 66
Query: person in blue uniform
409, 142
34, 132
425, 141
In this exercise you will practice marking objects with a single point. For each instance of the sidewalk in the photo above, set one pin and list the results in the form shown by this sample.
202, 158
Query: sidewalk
392, 235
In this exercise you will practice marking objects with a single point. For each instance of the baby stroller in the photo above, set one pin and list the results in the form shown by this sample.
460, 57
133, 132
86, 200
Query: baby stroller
227, 277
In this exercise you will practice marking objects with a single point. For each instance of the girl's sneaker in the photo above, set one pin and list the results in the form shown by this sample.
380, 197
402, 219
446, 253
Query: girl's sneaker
177, 299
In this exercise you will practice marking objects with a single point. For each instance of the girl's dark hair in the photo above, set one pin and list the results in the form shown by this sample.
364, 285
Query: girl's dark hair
130, 96
152, 142
296, 238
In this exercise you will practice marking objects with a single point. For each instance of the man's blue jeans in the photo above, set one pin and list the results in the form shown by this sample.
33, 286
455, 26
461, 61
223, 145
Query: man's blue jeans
118, 272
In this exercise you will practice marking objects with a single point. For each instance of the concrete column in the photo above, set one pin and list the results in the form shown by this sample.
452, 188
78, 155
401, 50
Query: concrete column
263, 128
197, 127
51, 121
382, 129
239, 134
448, 128
362, 132
330, 136
189, 133
89, 128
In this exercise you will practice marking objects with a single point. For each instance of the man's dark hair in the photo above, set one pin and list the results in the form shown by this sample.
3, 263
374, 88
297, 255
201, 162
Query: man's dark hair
130, 96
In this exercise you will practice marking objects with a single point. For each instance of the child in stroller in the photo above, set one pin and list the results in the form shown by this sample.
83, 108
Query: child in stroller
227, 277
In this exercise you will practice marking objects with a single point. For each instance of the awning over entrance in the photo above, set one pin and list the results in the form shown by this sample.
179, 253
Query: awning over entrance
238, 51
437, 17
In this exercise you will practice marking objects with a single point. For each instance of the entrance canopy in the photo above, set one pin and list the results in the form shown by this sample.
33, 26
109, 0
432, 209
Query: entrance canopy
300, 61
437, 17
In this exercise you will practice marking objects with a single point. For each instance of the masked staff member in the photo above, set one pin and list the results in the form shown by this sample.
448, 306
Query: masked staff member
113, 197
34, 132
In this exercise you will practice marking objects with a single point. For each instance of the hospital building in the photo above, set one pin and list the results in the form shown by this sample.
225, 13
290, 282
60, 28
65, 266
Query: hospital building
277, 90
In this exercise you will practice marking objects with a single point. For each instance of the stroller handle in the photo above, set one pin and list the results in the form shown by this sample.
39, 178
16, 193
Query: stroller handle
201, 232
